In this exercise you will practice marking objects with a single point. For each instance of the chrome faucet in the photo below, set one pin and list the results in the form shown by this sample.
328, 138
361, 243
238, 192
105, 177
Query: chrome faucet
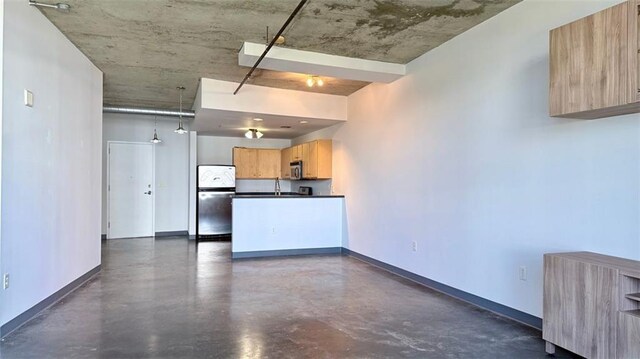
277, 188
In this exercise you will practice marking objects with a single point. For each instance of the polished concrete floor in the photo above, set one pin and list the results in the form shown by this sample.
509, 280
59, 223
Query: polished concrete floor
166, 298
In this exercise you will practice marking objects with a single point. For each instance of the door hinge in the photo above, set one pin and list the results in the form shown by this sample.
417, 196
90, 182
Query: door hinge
108, 187
108, 224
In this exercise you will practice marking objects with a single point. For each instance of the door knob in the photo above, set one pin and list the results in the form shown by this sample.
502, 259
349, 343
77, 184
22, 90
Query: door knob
149, 193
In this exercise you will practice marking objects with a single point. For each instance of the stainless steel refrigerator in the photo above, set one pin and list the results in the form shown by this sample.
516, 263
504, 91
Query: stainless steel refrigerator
216, 186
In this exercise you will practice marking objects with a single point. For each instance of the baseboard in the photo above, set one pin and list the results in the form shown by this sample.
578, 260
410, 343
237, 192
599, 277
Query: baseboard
23, 318
491, 306
286, 252
172, 234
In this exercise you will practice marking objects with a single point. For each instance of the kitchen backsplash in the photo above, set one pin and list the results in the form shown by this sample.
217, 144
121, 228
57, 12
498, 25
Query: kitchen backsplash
264, 185
320, 187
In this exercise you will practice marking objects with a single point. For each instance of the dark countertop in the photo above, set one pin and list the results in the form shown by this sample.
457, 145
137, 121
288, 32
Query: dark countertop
283, 195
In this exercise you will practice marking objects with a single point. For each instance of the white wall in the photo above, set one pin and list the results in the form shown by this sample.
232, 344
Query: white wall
218, 150
461, 156
50, 160
171, 167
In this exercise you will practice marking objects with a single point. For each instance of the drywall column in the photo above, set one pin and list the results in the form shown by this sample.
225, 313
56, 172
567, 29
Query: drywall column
193, 162
1, 87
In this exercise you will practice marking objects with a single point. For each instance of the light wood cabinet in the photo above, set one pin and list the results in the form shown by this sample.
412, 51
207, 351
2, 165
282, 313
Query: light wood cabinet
285, 162
256, 163
296, 153
591, 305
317, 159
246, 162
594, 64
268, 163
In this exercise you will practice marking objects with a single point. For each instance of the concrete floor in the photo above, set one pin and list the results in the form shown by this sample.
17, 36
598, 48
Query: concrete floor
167, 299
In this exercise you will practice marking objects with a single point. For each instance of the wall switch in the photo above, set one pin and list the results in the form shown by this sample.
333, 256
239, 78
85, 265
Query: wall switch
523, 273
28, 98
414, 246
5, 281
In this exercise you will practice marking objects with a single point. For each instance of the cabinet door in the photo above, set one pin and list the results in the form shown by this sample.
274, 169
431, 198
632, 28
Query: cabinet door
285, 161
580, 306
310, 159
588, 62
325, 158
268, 163
246, 161
296, 153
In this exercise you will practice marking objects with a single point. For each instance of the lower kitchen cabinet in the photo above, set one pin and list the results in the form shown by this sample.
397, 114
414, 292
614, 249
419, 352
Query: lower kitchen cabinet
256, 163
592, 305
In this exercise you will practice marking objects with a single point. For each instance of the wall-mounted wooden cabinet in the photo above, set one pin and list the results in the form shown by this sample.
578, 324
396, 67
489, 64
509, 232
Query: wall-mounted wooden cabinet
317, 159
285, 161
594, 64
256, 163
268, 163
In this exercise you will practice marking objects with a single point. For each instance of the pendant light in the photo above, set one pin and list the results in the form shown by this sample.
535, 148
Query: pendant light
155, 138
180, 130
253, 133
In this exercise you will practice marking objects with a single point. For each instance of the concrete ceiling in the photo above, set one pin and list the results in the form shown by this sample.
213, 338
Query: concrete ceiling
146, 48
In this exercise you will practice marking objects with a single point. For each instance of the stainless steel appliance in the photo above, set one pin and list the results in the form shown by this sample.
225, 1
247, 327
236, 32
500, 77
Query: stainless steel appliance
216, 186
305, 191
296, 170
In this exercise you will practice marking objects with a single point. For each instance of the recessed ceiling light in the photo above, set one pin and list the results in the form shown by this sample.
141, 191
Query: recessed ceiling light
257, 119
303, 121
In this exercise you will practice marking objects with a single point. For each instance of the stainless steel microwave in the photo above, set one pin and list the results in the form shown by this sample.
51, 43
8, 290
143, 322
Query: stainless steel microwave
296, 170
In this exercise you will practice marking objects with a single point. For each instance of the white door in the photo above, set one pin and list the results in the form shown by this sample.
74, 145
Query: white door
130, 190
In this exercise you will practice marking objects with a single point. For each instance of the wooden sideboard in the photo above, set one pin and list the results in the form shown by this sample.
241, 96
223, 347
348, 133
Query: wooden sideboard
592, 305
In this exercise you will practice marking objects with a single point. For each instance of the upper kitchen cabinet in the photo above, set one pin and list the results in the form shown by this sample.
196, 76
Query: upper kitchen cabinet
285, 161
268, 163
316, 159
256, 163
296, 153
246, 162
594, 64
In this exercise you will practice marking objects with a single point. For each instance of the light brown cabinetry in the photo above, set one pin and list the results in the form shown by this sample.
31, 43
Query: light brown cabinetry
246, 162
594, 64
268, 163
285, 162
590, 305
296, 153
256, 163
317, 159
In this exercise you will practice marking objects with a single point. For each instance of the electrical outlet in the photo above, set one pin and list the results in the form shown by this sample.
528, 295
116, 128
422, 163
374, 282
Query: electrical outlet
5, 281
414, 246
523, 273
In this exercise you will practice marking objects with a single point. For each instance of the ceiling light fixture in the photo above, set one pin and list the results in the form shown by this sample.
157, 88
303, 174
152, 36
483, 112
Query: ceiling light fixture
257, 119
155, 138
180, 130
253, 133
59, 6
304, 121
314, 80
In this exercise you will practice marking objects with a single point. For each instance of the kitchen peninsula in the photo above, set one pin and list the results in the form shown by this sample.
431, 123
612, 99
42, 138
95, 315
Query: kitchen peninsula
270, 225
